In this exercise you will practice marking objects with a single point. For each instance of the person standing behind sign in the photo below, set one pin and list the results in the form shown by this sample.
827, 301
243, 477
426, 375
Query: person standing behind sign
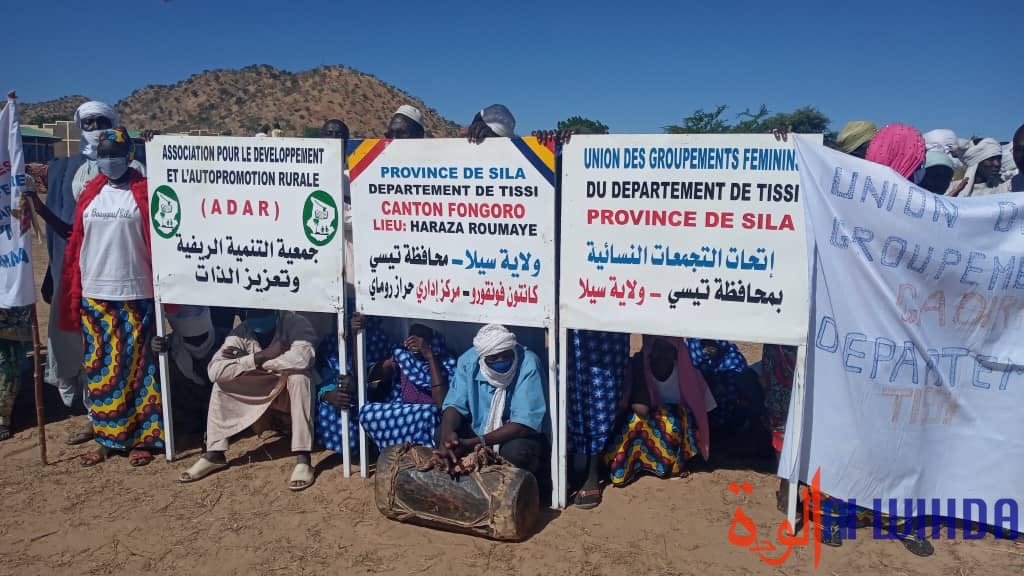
66, 180
405, 124
1017, 182
984, 171
855, 137
108, 295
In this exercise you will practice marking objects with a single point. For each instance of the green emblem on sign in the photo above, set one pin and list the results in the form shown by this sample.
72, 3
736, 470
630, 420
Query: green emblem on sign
165, 212
320, 218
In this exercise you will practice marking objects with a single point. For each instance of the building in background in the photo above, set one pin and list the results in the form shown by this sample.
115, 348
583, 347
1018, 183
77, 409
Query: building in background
38, 145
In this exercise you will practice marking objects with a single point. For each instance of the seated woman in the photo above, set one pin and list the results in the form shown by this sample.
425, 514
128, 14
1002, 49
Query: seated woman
337, 393
737, 419
417, 373
659, 432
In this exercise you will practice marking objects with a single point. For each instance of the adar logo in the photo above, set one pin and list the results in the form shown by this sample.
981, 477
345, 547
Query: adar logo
165, 211
320, 218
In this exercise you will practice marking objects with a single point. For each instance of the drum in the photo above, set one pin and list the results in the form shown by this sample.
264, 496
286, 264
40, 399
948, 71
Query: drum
498, 501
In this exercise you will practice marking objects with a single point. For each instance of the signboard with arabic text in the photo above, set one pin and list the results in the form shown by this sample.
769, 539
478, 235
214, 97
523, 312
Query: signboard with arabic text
247, 222
450, 230
684, 235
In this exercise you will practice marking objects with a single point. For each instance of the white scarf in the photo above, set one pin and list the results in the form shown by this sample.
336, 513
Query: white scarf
493, 339
191, 321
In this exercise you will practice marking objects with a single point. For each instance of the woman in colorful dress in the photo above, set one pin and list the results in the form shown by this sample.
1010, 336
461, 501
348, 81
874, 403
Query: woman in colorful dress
419, 372
659, 432
108, 296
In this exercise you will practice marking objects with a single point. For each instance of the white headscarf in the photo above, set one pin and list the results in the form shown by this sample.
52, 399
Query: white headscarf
983, 150
93, 108
493, 339
1009, 166
189, 322
941, 139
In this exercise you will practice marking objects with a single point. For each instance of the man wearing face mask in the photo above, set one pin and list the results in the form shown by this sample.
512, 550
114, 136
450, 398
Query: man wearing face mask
66, 180
266, 362
107, 297
497, 399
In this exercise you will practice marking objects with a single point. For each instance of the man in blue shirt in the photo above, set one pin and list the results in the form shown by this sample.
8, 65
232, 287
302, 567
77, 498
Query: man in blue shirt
497, 399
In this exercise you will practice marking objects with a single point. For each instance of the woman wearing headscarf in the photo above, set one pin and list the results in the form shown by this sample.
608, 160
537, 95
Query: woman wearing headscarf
938, 171
738, 395
108, 295
855, 137
901, 148
497, 399
659, 432
983, 177
65, 181
416, 377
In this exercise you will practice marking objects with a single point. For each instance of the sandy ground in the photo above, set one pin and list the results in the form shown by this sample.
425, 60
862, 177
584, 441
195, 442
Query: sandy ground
113, 519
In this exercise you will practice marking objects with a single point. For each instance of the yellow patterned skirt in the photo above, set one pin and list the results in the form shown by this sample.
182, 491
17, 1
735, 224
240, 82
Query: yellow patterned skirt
660, 443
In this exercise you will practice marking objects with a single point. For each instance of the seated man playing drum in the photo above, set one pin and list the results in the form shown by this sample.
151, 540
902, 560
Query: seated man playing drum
497, 399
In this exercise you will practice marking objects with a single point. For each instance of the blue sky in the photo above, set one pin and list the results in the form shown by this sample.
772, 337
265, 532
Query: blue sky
633, 65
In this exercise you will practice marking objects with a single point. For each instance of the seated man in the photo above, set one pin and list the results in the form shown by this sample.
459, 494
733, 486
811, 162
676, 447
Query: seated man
190, 347
415, 380
497, 399
269, 353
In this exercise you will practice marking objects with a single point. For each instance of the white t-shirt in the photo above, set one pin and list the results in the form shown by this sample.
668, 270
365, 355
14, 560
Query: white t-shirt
114, 261
668, 388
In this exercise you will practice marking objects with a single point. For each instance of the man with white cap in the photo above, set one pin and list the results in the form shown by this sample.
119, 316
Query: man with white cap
983, 177
190, 346
65, 181
497, 399
406, 123
495, 121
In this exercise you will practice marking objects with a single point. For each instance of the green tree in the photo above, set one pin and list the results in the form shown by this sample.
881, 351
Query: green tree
581, 125
805, 120
310, 132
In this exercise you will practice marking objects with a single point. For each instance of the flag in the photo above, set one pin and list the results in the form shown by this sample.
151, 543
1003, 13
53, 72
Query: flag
17, 284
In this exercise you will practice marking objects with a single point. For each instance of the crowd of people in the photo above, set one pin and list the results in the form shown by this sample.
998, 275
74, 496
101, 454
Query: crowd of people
657, 411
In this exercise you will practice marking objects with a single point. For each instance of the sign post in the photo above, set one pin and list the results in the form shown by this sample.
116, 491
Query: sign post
245, 223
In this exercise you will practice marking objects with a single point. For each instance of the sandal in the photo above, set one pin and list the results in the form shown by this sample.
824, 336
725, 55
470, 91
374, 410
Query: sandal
833, 538
201, 469
138, 458
5, 433
918, 546
588, 499
90, 459
302, 478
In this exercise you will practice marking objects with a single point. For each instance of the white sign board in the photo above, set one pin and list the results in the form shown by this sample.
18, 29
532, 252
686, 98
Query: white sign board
684, 235
446, 229
247, 222
916, 365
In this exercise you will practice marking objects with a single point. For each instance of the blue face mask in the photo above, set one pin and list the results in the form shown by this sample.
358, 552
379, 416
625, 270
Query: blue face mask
501, 366
112, 168
262, 324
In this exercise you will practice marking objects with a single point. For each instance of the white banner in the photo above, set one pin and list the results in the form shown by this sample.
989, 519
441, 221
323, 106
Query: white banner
916, 369
449, 230
247, 222
684, 235
17, 284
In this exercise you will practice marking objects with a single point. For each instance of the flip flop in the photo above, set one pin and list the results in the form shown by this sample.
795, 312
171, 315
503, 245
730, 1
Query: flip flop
588, 499
303, 473
5, 433
918, 546
139, 458
833, 538
201, 469
90, 459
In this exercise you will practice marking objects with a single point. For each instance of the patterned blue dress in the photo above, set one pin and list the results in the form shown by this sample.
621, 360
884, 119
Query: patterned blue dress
409, 413
722, 374
596, 369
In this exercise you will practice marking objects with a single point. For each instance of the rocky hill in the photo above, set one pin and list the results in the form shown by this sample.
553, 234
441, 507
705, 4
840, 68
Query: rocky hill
238, 102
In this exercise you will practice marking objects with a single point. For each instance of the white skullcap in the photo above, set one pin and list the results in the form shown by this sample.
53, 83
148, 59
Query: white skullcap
941, 139
95, 108
412, 113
